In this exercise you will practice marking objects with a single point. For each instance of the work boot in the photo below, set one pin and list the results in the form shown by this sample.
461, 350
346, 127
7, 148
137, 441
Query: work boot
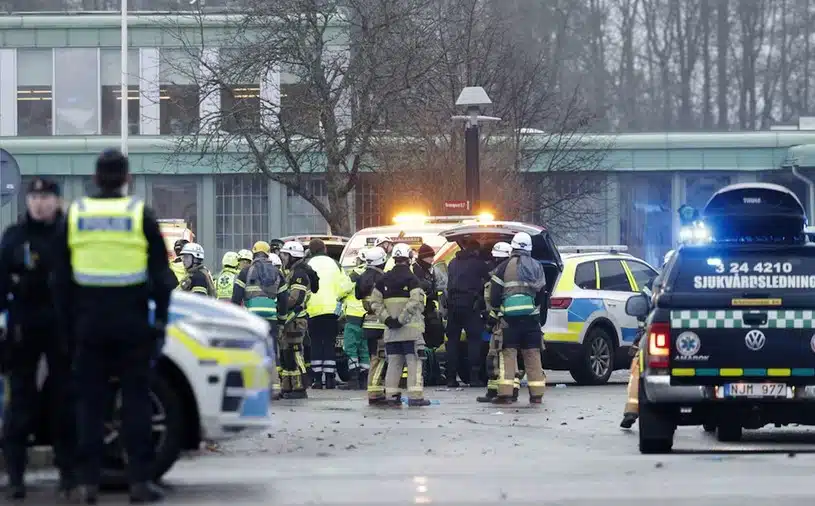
488, 397
628, 420
418, 403
89, 494
16, 492
317, 382
145, 492
296, 394
353, 381
362, 382
502, 399
377, 401
534, 399
330, 382
276, 395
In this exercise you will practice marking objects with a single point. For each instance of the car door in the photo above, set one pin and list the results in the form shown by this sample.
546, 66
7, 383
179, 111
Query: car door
615, 288
642, 274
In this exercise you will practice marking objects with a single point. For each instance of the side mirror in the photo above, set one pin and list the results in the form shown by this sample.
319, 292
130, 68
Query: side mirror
638, 306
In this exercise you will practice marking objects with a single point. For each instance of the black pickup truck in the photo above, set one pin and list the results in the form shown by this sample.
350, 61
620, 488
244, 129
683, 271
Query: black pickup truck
730, 342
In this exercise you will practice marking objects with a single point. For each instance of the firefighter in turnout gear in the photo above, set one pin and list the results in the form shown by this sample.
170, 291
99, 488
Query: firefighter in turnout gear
245, 258
372, 328
495, 326
518, 288
354, 343
226, 279
262, 289
399, 301
177, 265
198, 279
303, 281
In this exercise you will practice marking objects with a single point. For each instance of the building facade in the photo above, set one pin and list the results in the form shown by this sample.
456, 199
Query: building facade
60, 103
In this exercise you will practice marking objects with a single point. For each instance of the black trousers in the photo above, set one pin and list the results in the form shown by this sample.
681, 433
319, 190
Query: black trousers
468, 320
323, 331
103, 368
22, 409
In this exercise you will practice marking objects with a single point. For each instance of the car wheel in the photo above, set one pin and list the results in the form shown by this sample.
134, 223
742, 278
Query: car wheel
597, 360
656, 428
728, 432
167, 434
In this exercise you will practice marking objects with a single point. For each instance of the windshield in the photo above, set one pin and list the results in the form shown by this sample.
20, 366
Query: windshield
709, 270
412, 237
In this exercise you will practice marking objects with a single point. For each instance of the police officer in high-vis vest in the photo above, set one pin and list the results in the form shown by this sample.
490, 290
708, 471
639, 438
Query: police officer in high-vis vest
111, 262
225, 281
518, 288
372, 328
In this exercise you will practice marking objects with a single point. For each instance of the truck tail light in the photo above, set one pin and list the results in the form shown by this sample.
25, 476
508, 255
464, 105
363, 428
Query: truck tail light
659, 345
560, 302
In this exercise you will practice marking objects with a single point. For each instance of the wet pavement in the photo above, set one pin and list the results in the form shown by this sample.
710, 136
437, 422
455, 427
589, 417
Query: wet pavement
334, 449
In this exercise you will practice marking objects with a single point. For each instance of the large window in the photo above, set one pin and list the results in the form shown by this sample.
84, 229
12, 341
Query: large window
646, 218
298, 111
303, 217
76, 93
34, 104
175, 197
240, 99
700, 187
369, 202
111, 70
241, 211
179, 108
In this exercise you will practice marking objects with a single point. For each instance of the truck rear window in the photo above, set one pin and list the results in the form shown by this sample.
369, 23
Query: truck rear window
703, 270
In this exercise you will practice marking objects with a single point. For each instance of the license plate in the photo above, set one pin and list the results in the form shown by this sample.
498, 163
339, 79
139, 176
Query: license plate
755, 390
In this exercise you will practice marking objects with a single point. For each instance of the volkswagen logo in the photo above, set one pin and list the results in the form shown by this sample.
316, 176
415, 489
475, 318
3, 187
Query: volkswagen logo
755, 340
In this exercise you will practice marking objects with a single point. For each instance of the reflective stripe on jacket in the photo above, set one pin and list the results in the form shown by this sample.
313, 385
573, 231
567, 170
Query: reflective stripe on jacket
225, 283
107, 242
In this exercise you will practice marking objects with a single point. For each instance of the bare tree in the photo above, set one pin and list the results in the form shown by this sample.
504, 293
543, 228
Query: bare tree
350, 57
536, 163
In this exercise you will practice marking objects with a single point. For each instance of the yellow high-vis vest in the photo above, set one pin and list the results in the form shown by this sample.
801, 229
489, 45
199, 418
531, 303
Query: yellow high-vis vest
107, 242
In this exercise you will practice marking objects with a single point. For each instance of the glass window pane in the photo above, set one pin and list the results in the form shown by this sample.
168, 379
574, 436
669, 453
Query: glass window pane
178, 66
643, 275
77, 94
111, 67
585, 276
613, 276
176, 197
34, 98
240, 108
241, 211
646, 218
179, 109
111, 110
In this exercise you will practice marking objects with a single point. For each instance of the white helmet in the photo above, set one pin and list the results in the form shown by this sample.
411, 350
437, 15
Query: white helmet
375, 256
501, 250
194, 249
523, 241
361, 255
245, 254
401, 250
382, 240
275, 259
668, 256
293, 248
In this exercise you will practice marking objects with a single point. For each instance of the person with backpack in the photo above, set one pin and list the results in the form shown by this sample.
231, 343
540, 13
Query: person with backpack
262, 289
518, 289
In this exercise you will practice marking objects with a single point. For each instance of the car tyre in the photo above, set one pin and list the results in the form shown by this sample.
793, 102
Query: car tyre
596, 362
168, 434
728, 432
656, 428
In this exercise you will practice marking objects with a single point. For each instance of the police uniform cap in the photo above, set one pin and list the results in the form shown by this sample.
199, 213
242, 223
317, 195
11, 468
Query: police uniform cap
44, 186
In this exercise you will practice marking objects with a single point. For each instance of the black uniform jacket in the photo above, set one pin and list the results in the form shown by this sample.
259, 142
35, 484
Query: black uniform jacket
114, 312
26, 263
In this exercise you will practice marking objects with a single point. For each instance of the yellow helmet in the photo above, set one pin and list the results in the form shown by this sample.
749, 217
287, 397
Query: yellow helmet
245, 254
261, 246
230, 259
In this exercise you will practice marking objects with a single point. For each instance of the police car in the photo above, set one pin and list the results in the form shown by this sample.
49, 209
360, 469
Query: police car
587, 331
211, 384
730, 343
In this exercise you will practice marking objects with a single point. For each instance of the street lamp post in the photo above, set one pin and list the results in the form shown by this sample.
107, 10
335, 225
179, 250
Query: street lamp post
473, 98
123, 91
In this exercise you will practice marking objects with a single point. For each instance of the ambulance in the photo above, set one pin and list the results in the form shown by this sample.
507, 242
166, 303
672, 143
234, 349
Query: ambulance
212, 384
173, 230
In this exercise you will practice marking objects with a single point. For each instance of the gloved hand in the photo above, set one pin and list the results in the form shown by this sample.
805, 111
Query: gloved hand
392, 323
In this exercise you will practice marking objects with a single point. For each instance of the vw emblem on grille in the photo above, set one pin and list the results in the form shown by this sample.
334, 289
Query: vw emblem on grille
755, 340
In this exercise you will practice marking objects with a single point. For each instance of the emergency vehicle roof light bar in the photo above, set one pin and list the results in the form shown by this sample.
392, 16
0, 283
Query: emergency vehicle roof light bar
614, 248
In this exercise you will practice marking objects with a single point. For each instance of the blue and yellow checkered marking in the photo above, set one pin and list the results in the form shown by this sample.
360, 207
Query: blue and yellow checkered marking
735, 372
